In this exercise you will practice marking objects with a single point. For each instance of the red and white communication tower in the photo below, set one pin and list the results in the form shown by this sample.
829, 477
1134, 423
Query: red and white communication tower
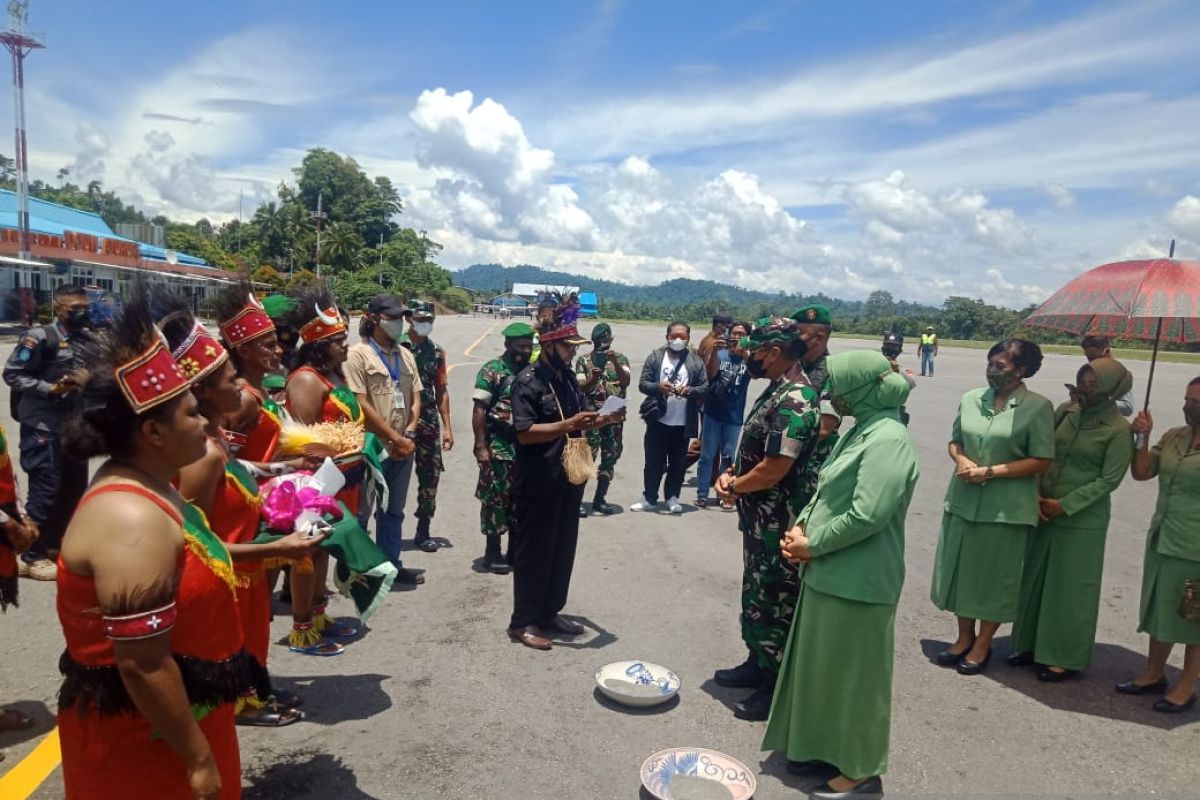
20, 43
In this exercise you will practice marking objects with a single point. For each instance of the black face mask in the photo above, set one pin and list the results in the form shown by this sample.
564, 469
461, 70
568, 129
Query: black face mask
756, 367
78, 319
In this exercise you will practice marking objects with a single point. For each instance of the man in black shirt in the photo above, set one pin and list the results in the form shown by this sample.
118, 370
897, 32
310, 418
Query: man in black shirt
547, 407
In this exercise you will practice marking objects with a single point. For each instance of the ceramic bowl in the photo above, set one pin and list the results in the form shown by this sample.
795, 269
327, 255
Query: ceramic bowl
637, 683
694, 773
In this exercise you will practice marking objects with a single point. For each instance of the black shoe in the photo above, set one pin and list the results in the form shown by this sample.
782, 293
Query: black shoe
812, 768
747, 675
425, 544
496, 564
966, 667
1021, 659
948, 659
599, 501
1165, 706
1047, 675
603, 508
583, 512
756, 707
410, 577
1129, 687
871, 787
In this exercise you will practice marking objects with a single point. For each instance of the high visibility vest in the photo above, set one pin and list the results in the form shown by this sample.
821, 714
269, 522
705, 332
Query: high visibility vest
928, 339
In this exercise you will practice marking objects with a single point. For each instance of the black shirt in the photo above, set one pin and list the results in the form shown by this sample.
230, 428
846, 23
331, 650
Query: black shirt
38, 361
537, 396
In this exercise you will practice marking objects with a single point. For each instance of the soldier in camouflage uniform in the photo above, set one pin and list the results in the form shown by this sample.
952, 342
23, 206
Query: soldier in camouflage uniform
815, 325
433, 430
599, 383
767, 481
495, 442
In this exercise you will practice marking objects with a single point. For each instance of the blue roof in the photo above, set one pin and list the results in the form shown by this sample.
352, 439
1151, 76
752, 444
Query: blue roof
589, 304
55, 220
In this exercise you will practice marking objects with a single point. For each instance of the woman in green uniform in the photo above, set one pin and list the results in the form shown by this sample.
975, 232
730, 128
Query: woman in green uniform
1002, 440
1172, 555
1064, 560
831, 713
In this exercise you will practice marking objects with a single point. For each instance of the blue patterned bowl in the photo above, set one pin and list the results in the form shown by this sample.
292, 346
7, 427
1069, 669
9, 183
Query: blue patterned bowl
637, 683
680, 773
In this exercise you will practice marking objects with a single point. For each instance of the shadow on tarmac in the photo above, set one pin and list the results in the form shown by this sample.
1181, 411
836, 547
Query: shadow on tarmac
603, 637
724, 695
1090, 692
43, 721
634, 711
305, 774
333, 699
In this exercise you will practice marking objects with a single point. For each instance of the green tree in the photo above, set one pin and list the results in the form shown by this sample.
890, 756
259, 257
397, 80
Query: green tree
340, 246
269, 275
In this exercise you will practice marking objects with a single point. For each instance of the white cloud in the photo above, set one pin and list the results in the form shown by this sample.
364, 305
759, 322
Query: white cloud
1185, 217
1061, 195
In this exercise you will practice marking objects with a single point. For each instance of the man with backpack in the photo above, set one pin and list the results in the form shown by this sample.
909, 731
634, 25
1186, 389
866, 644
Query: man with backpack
43, 373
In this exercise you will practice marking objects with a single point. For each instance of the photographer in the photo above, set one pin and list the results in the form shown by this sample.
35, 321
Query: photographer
674, 381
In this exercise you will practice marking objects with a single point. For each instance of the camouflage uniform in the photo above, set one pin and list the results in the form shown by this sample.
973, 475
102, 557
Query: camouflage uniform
783, 421
431, 366
493, 388
609, 440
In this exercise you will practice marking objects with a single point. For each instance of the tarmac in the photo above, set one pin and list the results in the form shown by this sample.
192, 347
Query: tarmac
435, 702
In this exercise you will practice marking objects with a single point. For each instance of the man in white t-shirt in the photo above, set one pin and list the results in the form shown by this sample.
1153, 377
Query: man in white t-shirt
674, 381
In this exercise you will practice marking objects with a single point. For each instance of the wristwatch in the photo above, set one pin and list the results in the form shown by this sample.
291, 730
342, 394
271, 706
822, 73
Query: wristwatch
410, 435
987, 476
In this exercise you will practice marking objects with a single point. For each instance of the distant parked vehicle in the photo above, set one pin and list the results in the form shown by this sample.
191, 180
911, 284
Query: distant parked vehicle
103, 306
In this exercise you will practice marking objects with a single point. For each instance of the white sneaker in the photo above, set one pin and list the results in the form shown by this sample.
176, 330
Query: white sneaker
643, 505
673, 505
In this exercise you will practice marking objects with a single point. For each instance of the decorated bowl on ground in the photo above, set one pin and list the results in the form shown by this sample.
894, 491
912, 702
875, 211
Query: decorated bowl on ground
637, 683
694, 773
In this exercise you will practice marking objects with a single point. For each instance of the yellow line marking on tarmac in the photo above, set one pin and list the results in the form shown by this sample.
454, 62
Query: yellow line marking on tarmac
479, 341
27, 775
450, 368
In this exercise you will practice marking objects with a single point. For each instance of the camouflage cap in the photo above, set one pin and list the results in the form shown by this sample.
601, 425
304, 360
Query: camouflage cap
769, 331
815, 314
422, 309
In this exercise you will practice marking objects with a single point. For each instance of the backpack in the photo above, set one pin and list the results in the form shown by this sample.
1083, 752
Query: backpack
48, 344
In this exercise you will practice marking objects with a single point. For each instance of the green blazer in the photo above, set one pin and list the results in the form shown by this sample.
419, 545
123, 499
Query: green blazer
855, 521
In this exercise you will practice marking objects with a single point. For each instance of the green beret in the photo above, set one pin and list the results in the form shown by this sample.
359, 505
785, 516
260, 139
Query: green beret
768, 331
602, 330
815, 314
518, 330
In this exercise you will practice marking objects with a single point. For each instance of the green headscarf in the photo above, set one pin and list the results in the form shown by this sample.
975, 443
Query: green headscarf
1113, 381
863, 380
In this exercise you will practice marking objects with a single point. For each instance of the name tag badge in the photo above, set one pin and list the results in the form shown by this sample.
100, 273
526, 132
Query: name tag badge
397, 396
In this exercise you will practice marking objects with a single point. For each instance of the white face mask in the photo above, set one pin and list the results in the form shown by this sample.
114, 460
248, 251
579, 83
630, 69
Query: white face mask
678, 345
422, 328
394, 328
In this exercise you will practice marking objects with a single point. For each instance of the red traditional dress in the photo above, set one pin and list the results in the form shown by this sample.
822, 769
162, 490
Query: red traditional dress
109, 750
340, 405
8, 505
260, 442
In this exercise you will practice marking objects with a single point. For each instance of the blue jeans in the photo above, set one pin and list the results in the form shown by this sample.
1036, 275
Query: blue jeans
388, 521
717, 437
926, 362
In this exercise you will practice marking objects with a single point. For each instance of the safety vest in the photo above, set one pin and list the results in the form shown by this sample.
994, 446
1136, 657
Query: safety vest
928, 339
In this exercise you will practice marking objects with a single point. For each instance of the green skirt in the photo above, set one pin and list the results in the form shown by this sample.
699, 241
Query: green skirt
1060, 595
977, 570
833, 699
1162, 589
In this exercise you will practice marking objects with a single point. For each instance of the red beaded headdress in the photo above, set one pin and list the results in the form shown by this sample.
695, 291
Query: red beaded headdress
151, 378
556, 318
327, 323
199, 354
248, 324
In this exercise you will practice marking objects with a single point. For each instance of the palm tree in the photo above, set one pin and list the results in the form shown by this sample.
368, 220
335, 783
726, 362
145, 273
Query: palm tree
270, 229
340, 245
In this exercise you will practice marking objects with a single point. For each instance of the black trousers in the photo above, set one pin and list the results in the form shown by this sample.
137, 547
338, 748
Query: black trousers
56, 482
666, 451
543, 543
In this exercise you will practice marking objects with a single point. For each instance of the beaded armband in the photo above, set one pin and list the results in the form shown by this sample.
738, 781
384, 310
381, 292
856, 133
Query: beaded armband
140, 626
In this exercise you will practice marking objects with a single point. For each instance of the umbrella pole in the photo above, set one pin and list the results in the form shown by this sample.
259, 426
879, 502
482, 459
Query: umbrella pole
1153, 361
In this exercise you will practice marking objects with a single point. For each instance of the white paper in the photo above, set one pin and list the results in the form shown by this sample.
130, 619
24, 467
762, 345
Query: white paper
611, 406
328, 479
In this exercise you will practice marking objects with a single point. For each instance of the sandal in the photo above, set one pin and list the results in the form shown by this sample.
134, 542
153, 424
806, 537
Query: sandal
339, 630
269, 718
321, 648
701, 502
282, 698
727, 506
13, 720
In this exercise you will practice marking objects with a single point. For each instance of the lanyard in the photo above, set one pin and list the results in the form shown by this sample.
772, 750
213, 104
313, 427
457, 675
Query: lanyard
393, 371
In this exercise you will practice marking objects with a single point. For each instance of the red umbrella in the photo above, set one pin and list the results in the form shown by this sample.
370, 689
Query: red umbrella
1156, 299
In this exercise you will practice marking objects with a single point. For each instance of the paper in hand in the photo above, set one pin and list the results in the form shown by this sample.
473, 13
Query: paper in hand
611, 406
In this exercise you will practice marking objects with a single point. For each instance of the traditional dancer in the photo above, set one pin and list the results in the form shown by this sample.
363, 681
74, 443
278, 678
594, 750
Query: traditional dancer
146, 591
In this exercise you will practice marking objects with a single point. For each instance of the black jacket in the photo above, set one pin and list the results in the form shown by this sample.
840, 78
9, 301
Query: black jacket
697, 385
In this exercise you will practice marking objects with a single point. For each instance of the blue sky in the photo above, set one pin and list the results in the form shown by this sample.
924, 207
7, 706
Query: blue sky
932, 148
